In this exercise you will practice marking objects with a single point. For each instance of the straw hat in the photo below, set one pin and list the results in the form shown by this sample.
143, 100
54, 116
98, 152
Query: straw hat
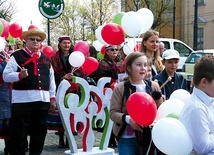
33, 32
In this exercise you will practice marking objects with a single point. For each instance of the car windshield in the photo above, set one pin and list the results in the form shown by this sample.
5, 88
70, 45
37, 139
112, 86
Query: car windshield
194, 57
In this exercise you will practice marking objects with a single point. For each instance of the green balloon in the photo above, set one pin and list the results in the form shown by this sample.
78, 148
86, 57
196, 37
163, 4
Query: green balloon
118, 18
100, 56
1, 27
173, 115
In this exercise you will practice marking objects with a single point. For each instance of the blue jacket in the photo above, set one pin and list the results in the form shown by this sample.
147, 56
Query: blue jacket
178, 83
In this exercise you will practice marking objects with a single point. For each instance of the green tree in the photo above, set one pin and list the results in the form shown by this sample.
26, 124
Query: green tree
80, 19
7, 8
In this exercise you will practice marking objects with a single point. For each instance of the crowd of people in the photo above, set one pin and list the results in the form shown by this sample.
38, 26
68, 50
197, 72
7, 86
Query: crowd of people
29, 81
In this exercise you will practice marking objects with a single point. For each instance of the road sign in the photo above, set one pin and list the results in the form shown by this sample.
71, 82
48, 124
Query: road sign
51, 9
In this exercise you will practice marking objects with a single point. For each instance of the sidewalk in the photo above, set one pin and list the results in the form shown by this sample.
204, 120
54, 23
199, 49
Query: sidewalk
51, 144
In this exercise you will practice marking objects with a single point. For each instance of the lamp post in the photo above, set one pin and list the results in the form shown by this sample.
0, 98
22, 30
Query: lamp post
173, 20
195, 27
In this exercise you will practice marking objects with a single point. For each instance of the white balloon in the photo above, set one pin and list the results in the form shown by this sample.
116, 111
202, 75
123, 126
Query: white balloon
147, 18
131, 23
2, 44
171, 137
98, 45
76, 59
169, 106
99, 35
181, 94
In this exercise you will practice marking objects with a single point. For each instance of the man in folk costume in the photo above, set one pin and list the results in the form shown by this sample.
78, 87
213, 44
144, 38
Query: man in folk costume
33, 93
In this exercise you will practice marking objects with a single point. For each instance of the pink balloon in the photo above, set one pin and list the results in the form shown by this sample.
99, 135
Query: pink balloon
15, 30
142, 108
82, 46
113, 34
5, 32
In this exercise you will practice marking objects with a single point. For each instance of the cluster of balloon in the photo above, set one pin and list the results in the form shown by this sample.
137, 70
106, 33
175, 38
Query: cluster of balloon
142, 108
124, 24
80, 58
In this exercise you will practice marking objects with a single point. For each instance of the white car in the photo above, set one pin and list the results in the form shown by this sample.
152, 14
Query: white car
183, 49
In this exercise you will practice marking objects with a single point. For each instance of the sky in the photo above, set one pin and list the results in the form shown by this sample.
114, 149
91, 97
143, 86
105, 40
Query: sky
27, 11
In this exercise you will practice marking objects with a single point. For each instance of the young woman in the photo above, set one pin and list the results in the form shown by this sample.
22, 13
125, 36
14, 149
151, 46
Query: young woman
149, 46
124, 126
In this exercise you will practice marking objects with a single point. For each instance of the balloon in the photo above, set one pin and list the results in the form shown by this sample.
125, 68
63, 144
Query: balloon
142, 108
5, 32
128, 46
48, 51
2, 44
82, 46
99, 35
76, 59
181, 94
100, 56
113, 34
131, 23
170, 137
90, 65
98, 45
103, 49
137, 47
11, 40
15, 30
147, 19
118, 17
1, 27
32, 27
173, 115
169, 106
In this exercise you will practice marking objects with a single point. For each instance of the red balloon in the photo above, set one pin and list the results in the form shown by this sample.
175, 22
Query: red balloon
113, 34
142, 108
32, 27
5, 32
90, 65
15, 30
103, 49
82, 46
137, 47
48, 51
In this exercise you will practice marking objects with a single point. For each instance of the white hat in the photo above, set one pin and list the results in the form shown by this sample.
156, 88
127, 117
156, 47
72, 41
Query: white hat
170, 54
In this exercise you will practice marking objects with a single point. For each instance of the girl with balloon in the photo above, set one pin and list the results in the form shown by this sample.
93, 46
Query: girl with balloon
132, 109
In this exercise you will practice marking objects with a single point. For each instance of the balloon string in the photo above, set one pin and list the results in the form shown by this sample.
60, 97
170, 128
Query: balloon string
74, 69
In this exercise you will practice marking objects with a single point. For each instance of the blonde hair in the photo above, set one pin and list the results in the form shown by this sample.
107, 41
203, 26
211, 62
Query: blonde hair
157, 59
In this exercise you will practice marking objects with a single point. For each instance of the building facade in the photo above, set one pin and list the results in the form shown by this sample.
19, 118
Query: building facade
182, 27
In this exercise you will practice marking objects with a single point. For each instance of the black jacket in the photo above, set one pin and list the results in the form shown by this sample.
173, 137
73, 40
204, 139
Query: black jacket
177, 82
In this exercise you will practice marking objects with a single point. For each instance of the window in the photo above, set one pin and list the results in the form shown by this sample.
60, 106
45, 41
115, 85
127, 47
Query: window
200, 40
201, 2
182, 49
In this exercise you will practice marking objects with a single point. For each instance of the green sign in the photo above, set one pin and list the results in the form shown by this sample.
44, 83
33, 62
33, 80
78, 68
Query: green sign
51, 9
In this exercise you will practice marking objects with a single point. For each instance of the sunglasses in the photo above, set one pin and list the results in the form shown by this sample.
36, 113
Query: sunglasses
35, 39
113, 49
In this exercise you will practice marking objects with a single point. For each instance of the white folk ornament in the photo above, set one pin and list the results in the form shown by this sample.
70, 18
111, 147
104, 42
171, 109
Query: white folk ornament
76, 109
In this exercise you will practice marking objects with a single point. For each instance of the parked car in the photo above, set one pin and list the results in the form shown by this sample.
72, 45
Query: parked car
188, 68
183, 49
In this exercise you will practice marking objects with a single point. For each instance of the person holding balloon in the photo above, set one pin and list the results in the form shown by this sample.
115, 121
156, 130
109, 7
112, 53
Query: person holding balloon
150, 46
127, 127
62, 70
197, 114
